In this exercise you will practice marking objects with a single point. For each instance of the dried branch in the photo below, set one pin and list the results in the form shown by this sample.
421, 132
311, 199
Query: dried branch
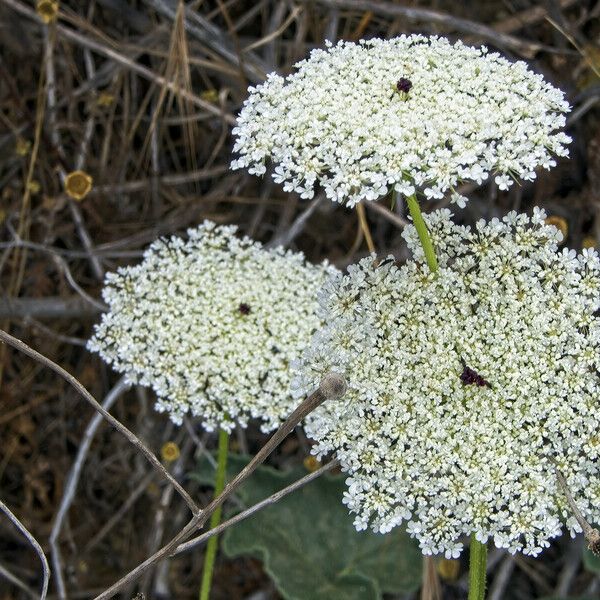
73, 480
501, 578
144, 72
387, 9
592, 535
34, 543
332, 386
274, 498
133, 439
4, 572
297, 226
205, 31
47, 308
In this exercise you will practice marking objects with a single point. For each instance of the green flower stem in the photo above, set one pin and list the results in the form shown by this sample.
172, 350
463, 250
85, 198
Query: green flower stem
477, 564
419, 223
215, 518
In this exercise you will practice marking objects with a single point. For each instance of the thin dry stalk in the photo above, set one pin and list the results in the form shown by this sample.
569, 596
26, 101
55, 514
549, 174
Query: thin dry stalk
73, 480
133, 439
332, 386
38, 549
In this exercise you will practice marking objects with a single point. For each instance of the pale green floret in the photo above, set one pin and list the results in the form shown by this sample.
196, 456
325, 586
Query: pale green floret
467, 386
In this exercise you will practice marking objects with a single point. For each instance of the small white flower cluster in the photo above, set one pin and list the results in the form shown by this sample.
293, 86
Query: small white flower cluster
212, 324
467, 387
408, 113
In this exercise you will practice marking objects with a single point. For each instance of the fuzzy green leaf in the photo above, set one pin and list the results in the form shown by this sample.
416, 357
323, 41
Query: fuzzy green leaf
309, 546
591, 562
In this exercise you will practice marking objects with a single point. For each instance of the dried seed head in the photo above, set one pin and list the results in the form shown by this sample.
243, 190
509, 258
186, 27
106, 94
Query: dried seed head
78, 184
22, 146
593, 539
34, 187
105, 99
311, 463
211, 96
333, 386
170, 452
448, 569
560, 223
47, 10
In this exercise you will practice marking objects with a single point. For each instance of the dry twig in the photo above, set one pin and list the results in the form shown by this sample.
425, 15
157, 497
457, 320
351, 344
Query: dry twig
34, 543
133, 439
73, 480
332, 386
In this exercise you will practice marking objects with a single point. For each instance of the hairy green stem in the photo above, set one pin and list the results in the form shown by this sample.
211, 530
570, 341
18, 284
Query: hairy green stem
215, 518
419, 223
477, 564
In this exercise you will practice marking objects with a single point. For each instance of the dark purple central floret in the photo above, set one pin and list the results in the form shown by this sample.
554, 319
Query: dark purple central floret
244, 308
471, 377
403, 85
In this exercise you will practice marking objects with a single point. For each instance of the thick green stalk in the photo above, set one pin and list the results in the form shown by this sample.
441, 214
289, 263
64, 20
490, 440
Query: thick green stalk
215, 518
477, 564
419, 223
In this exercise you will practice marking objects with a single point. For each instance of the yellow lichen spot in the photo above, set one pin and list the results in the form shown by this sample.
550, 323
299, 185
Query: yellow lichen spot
589, 241
78, 185
210, 96
47, 10
448, 569
33, 187
311, 463
560, 223
105, 99
170, 452
22, 147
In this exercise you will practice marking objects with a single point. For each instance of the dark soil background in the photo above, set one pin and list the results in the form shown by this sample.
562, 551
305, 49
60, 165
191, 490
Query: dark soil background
91, 91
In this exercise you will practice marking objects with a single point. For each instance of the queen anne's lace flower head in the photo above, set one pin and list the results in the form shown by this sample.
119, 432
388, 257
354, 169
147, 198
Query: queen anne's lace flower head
468, 387
212, 324
408, 113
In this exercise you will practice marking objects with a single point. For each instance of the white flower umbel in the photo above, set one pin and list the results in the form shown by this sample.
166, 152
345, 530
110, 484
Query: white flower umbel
409, 113
467, 387
211, 324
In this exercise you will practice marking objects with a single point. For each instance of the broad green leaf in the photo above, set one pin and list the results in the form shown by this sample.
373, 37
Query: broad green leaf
591, 562
309, 546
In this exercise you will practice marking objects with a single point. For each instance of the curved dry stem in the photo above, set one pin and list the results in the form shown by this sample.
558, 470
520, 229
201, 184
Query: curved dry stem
272, 499
332, 386
45, 568
23, 347
73, 480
